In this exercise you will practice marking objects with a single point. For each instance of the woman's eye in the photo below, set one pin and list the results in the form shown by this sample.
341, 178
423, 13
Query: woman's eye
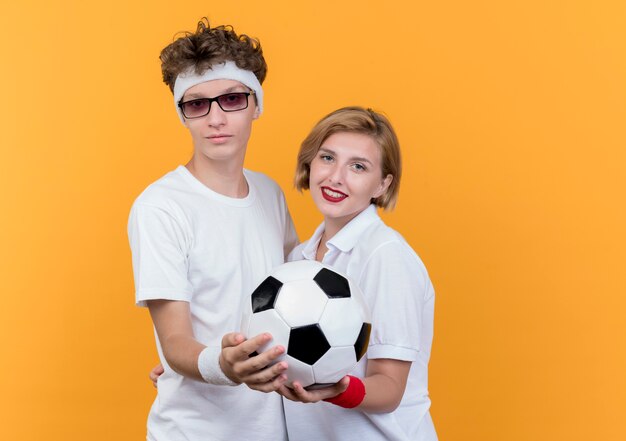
326, 158
359, 167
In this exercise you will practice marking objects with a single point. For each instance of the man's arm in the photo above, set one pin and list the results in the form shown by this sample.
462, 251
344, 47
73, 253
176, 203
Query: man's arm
172, 320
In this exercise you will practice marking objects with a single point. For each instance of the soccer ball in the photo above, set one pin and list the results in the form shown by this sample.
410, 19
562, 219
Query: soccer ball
317, 314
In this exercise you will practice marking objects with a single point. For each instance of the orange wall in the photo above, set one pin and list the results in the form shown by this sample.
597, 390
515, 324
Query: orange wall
512, 117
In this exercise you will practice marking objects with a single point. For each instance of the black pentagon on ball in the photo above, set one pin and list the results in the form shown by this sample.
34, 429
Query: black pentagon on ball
362, 341
334, 285
307, 344
264, 296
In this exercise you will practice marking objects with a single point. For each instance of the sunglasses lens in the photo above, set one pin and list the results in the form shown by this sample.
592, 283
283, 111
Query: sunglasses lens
196, 108
233, 101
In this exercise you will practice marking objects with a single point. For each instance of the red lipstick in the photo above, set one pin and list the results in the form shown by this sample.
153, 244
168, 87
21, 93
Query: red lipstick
333, 195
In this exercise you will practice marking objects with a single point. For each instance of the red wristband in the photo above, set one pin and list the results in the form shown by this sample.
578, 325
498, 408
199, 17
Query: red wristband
352, 396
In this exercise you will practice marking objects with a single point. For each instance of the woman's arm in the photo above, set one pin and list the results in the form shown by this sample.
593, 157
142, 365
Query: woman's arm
384, 382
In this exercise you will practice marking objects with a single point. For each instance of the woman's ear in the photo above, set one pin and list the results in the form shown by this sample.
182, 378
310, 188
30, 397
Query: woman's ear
384, 185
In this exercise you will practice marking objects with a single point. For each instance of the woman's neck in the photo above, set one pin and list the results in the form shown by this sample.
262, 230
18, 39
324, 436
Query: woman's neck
331, 227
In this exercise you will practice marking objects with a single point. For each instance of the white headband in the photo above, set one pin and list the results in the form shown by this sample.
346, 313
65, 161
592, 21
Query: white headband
226, 71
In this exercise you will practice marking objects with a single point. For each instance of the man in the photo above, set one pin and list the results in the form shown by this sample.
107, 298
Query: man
202, 237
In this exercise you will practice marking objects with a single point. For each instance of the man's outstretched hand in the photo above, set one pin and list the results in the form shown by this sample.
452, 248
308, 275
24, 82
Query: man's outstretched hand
240, 362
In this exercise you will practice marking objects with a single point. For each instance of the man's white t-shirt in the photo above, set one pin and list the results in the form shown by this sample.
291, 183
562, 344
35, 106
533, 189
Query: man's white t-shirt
401, 298
192, 244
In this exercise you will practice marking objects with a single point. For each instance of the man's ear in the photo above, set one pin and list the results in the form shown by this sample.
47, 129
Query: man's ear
257, 112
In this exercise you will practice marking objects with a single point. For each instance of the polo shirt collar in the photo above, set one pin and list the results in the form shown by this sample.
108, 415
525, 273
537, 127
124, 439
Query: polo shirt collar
310, 249
347, 237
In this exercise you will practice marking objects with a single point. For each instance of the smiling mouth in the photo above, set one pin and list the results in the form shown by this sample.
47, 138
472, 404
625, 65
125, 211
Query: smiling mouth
333, 195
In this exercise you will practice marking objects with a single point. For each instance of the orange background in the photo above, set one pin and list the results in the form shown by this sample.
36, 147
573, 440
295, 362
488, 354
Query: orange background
512, 120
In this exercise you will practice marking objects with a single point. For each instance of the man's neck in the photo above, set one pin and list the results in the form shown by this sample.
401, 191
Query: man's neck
224, 178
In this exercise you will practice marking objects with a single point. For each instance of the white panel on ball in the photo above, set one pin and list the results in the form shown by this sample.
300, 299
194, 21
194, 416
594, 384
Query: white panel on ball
335, 364
301, 303
341, 322
269, 321
299, 371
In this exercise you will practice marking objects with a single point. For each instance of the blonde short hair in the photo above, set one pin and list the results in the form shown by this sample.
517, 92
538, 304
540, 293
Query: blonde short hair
355, 120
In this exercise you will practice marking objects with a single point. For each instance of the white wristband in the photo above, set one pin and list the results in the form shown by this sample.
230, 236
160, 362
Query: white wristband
209, 367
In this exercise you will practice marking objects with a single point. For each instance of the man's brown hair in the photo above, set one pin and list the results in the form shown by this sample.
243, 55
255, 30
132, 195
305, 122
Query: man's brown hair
208, 46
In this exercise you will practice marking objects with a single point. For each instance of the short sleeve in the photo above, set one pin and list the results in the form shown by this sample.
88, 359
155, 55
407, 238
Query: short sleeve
159, 250
400, 294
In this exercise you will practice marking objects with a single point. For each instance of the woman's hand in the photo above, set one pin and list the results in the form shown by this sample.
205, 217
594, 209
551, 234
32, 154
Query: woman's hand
155, 373
300, 394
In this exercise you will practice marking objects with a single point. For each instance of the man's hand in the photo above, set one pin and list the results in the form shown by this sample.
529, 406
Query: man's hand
238, 363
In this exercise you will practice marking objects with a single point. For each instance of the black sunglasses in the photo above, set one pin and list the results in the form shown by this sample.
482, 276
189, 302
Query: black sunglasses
229, 102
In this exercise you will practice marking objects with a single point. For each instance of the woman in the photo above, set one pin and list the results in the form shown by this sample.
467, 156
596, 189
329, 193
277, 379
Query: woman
351, 164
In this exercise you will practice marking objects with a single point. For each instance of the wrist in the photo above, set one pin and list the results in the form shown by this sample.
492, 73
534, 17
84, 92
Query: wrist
210, 369
352, 396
